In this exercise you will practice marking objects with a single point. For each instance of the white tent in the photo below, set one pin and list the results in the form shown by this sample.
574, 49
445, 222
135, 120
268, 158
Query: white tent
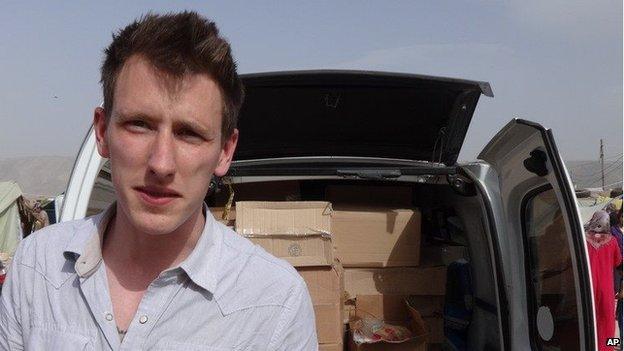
10, 228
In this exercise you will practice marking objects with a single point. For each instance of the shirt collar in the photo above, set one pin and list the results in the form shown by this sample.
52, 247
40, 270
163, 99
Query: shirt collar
200, 265
86, 245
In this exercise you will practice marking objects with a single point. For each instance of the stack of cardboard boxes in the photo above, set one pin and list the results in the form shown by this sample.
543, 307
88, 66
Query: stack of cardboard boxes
356, 258
300, 233
377, 236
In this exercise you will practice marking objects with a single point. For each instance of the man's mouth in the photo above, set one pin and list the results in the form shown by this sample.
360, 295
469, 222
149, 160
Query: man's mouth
156, 196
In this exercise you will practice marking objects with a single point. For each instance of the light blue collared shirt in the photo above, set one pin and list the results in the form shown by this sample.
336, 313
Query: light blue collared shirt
227, 295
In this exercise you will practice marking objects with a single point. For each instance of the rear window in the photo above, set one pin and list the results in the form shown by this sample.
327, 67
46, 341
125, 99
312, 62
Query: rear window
552, 305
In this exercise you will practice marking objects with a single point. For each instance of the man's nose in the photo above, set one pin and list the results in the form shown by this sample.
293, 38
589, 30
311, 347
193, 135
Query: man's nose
161, 161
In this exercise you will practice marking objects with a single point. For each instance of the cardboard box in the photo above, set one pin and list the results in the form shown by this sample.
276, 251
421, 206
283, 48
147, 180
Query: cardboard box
376, 237
325, 285
384, 307
297, 231
435, 327
392, 307
442, 255
331, 347
397, 313
416, 344
365, 195
427, 305
395, 281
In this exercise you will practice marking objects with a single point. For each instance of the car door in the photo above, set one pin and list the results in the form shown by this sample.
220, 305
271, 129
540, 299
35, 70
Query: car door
548, 279
81, 182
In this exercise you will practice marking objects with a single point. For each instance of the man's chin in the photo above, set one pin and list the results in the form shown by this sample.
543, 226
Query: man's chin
156, 224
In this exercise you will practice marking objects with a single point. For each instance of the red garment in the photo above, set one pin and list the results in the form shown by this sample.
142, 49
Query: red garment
604, 256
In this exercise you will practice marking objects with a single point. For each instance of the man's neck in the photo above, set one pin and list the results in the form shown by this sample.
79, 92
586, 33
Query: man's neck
125, 246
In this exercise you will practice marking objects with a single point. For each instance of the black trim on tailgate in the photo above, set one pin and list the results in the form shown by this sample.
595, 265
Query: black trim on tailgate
335, 170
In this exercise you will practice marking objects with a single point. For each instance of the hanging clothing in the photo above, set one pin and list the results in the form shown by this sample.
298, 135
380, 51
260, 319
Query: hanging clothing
604, 256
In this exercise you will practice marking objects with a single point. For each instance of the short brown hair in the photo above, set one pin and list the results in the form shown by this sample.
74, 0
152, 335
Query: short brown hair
178, 44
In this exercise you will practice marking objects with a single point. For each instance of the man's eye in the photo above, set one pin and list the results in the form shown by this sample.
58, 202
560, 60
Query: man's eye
189, 135
137, 125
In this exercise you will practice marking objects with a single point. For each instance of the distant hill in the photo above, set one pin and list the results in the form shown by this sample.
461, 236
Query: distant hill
48, 175
586, 174
39, 175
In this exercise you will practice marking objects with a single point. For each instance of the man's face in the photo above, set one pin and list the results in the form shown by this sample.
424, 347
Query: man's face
164, 143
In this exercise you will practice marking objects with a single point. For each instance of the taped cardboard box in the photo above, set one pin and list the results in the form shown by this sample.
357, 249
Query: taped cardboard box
326, 287
364, 195
393, 308
297, 231
395, 281
400, 315
376, 237
428, 306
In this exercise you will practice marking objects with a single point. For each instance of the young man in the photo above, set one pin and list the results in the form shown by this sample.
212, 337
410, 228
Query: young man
156, 271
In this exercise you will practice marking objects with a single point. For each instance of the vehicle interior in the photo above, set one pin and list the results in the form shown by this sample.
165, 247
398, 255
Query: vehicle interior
454, 229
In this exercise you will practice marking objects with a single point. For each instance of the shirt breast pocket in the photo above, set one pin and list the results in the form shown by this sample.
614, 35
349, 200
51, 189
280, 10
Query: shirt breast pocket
47, 339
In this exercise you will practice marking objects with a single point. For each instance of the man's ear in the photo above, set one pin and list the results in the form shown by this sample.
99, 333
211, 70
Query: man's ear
227, 153
99, 125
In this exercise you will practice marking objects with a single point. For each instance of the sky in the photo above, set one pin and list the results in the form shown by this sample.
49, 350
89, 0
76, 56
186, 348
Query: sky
556, 62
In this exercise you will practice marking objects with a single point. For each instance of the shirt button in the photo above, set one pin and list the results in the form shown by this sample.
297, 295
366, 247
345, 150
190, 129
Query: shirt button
109, 317
143, 319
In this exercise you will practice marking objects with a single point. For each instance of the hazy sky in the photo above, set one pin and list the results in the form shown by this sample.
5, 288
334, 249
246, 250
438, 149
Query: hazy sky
557, 62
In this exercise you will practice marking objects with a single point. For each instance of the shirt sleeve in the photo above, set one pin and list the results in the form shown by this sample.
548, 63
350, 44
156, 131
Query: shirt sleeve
10, 326
296, 327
